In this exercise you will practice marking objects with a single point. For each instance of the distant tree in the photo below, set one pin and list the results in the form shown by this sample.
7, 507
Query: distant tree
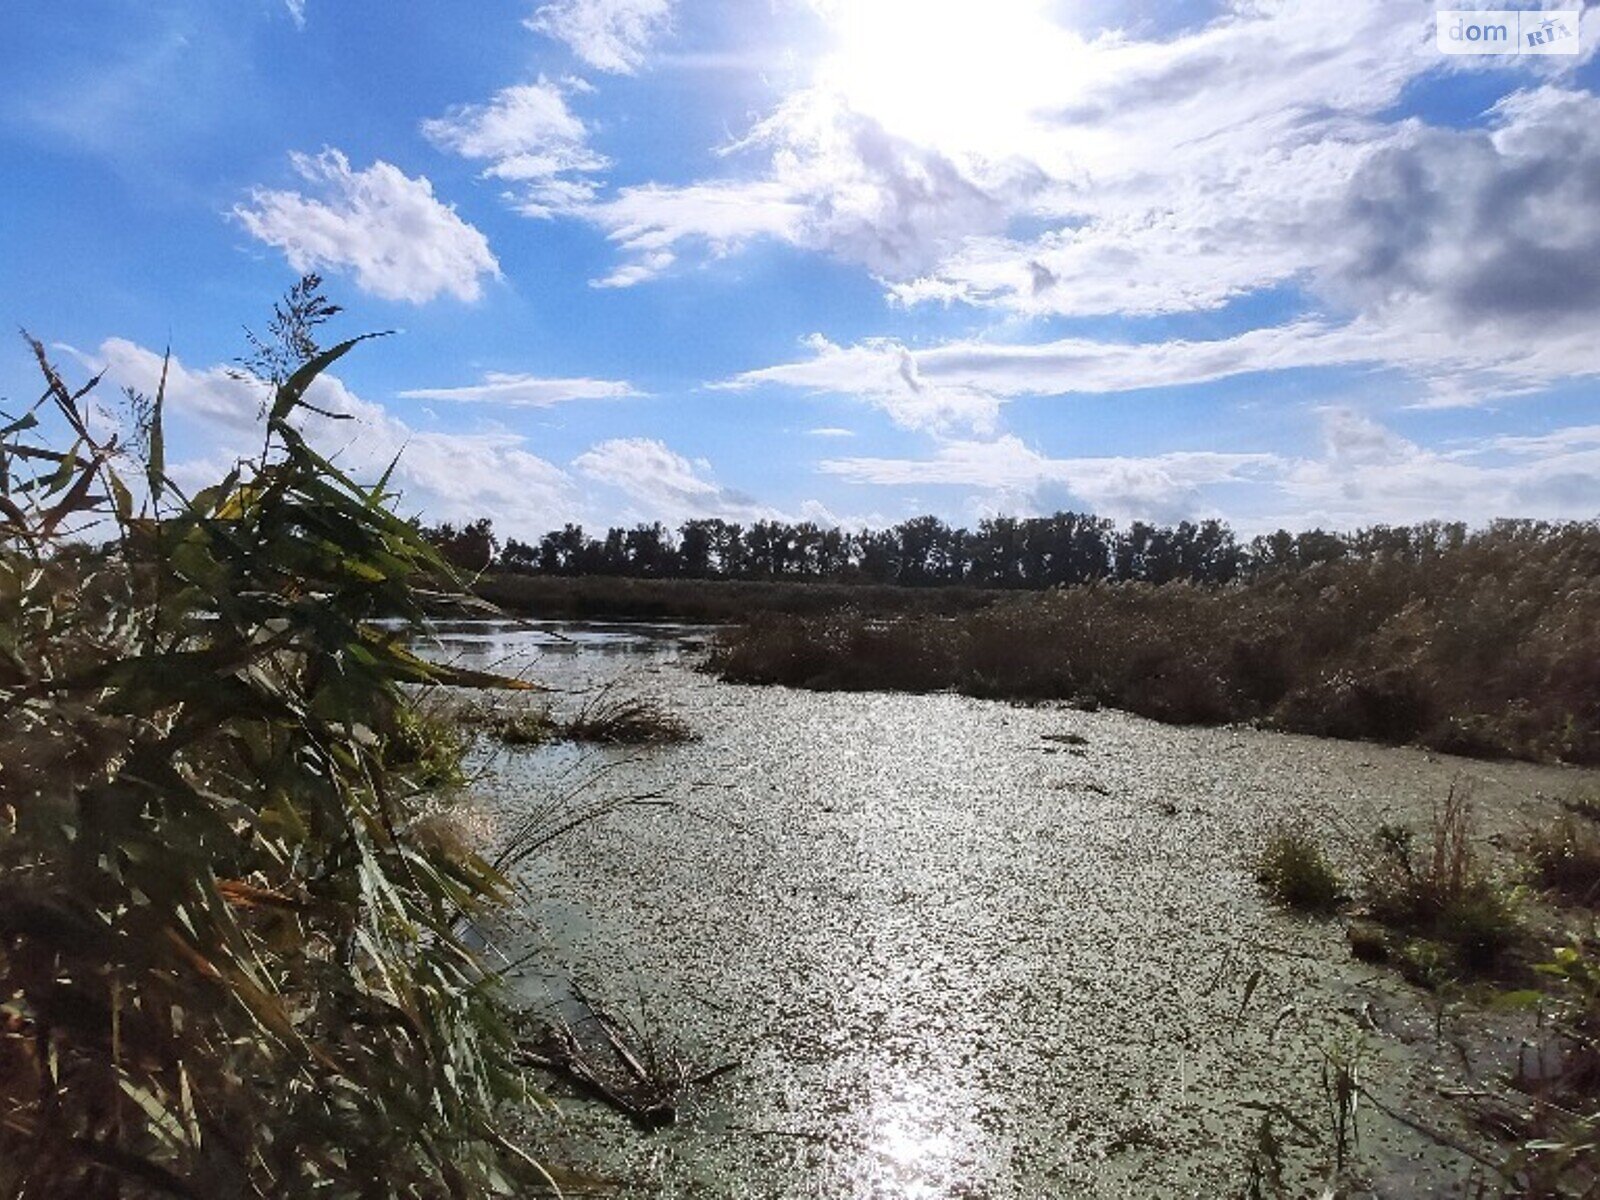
519, 556
695, 547
613, 556
470, 547
564, 551
649, 551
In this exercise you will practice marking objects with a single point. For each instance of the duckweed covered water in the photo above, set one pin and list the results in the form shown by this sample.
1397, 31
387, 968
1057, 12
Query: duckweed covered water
957, 955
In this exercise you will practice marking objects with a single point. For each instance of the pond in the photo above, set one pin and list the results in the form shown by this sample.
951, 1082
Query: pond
961, 948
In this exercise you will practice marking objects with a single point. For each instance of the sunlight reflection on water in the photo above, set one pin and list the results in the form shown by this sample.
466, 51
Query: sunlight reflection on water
951, 960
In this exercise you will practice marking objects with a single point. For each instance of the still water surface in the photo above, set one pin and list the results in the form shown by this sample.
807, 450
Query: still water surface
956, 955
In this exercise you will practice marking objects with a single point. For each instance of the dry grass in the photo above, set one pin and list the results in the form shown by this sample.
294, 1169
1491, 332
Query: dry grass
1464, 652
627, 721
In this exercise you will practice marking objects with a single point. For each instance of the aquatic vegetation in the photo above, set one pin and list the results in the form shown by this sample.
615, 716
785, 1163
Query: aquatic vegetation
522, 727
609, 1058
427, 747
1565, 858
1461, 650
626, 721
1342, 1061
1584, 804
231, 939
1561, 1153
1293, 869
1440, 893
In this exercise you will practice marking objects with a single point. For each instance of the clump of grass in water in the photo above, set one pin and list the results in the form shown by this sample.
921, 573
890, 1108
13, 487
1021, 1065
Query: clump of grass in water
1294, 871
1442, 895
1566, 859
526, 727
631, 721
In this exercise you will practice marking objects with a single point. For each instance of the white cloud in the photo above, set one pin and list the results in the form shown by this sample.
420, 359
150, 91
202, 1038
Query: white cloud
297, 12
1002, 159
965, 382
1369, 474
530, 138
1365, 474
835, 181
1162, 487
650, 221
389, 230
830, 431
886, 375
214, 419
661, 484
609, 35
526, 391
215, 396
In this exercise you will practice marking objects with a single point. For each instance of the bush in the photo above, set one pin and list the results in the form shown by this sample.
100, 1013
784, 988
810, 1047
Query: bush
231, 958
1295, 872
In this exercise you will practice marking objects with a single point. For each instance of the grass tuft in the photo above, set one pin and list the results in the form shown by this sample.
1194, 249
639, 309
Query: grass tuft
1295, 872
1565, 858
1441, 893
632, 721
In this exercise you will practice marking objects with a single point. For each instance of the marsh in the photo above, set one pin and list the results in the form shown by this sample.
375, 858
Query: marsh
957, 951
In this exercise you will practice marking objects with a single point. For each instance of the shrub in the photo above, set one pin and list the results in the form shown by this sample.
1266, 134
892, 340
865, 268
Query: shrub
231, 958
1294, 871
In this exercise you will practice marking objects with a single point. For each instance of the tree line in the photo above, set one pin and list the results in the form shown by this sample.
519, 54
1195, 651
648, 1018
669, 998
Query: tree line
1002, 552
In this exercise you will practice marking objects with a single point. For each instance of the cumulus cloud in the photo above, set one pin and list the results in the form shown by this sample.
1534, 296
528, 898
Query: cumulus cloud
526, 391
398, 240
1164, 487
886, 375
531, 139
835, 181
1368, 473
1483, 227
609, 35
661, 484
1365, 473
214, 418
1112, 174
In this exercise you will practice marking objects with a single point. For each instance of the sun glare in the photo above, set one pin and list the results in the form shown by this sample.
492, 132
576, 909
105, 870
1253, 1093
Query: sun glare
962, 73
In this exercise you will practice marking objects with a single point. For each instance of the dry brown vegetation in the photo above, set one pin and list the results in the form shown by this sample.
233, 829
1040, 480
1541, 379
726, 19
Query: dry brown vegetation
707, 601
1491, 648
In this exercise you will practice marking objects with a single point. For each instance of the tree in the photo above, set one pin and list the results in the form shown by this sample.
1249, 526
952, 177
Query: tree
470, 548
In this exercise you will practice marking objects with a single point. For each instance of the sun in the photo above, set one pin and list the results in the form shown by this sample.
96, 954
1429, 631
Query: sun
964, 74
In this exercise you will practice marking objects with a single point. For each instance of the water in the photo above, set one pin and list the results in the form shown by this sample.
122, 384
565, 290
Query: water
956, 958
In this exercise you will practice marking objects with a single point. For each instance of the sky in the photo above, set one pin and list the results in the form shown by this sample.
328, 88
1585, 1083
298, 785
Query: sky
848, 261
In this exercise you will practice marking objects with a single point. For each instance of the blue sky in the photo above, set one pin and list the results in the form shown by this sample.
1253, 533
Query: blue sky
837, 260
